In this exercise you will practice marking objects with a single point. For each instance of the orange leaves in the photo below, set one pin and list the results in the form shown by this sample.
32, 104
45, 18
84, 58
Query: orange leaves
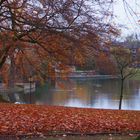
32, 119
50, 32
105, 64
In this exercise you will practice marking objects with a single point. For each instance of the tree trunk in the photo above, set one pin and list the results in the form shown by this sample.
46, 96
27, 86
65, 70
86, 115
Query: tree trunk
121, 95
53, 78
11, 81
51, 74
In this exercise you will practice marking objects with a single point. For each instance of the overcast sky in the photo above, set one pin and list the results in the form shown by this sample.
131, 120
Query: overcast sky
125, 15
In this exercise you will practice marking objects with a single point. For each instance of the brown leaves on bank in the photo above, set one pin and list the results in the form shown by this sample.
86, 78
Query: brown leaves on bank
33, 120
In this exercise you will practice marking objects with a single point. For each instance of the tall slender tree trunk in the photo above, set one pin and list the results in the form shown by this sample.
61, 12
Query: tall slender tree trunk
121, 95
11, 82
52, 75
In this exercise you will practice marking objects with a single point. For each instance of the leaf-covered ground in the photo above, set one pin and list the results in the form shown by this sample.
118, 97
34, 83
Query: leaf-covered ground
37, 120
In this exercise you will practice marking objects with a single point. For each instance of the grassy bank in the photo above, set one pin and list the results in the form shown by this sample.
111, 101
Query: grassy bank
49, 120
136, 77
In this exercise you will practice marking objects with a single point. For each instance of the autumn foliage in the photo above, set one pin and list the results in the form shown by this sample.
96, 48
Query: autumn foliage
36, 120
105, 64
37, 34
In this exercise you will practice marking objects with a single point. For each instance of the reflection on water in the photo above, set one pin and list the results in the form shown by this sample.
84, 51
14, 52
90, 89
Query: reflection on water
92, 93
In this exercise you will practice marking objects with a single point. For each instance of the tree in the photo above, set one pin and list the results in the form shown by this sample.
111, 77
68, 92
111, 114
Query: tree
104, 64
124, 62
52, 31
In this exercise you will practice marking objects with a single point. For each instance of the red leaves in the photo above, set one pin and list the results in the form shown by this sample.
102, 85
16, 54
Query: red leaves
32, 119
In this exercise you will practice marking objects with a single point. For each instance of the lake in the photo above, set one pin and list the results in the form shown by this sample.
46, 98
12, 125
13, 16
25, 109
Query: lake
87, 93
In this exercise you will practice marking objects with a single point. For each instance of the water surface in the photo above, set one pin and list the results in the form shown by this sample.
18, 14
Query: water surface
87, 93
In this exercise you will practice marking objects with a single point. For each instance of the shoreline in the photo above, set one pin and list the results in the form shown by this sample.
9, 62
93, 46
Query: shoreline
136, 135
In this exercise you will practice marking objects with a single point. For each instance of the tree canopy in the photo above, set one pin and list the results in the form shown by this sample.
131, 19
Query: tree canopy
35, 34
